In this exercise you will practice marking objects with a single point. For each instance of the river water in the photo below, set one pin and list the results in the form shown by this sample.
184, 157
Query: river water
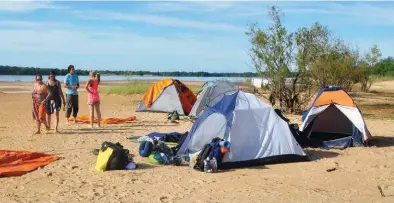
31, 78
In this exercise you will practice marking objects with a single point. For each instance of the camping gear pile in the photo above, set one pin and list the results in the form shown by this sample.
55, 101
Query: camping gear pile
210, 157
156, 146
112, 156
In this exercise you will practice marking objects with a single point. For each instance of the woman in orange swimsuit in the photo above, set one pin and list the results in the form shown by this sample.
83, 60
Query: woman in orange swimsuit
40, 97
93, 96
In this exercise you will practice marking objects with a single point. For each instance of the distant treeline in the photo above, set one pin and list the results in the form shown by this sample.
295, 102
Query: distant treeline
16, 70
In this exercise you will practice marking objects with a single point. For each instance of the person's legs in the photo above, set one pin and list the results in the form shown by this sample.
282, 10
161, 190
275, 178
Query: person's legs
98, 112
57, 121
49, 119
45, 124
38, 123
42, 115
68, 107
75, 107
91, 113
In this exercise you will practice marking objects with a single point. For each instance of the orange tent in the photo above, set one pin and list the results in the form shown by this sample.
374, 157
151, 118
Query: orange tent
168, 95
333, 97
17, 163
334, 121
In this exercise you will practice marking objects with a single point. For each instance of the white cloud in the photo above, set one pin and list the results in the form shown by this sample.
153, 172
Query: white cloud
160, 20
364, 44
364, 13
74, 41
26, 6
117, 50
20, 23
195, 6
368, 13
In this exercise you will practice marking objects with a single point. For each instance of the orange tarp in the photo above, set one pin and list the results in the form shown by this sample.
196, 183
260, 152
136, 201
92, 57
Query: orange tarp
153, 92
86, 119
17, 163
338, 97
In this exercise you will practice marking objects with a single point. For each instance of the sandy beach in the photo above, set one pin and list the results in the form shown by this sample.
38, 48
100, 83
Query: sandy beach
359, 174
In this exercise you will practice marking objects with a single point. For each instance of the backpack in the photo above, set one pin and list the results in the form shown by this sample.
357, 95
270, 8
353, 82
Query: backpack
202, 156
112, 157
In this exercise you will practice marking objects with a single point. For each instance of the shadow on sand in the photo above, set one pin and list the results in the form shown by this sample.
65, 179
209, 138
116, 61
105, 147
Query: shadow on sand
316, 154
142, 166
381, 141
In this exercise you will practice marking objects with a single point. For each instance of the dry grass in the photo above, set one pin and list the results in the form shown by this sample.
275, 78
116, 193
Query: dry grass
376, 105
127, 88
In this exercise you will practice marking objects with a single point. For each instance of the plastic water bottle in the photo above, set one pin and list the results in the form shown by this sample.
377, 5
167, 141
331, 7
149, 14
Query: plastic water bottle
207, 166
213, 165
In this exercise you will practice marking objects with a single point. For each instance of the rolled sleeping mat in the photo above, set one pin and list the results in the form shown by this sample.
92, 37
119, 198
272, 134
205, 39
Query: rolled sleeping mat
145, 148
226, 144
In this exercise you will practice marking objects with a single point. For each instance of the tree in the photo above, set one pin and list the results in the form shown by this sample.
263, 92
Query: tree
385, 66
299, 63
272, 55
369, 66
311, 45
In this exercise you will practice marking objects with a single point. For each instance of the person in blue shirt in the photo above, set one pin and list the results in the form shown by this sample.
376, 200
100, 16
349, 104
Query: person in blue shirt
71, 83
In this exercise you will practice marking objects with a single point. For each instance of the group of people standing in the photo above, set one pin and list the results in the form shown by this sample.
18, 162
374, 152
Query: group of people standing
48, 98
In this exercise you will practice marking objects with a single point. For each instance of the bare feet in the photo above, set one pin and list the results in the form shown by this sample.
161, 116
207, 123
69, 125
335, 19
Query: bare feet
36, 133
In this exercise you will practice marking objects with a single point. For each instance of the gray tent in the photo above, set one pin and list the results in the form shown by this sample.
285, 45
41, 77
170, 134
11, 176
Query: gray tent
211, 95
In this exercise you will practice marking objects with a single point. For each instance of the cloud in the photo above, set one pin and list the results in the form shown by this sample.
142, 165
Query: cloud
107, 42
365, 43
26, 6
195, 6
351, 12
371, 14
159, 20
21, 23
95, 48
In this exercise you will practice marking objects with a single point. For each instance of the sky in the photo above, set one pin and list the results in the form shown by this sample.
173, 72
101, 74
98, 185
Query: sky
170, 36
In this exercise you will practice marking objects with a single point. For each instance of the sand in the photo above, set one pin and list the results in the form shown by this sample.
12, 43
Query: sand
73, 178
